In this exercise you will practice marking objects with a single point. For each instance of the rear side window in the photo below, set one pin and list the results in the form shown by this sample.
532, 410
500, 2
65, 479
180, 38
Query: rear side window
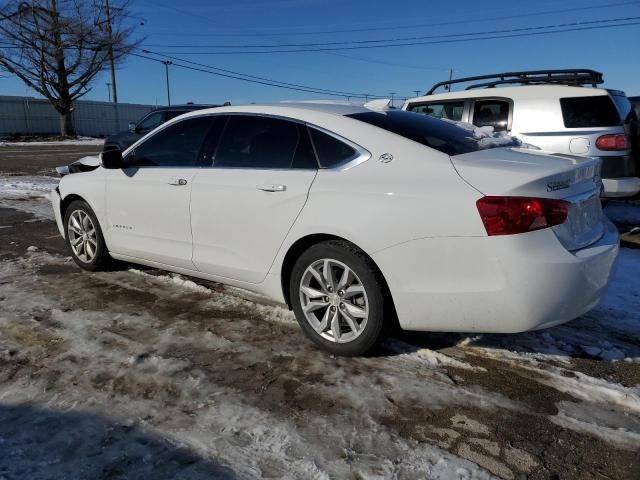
262, 142
440, 135
448, 110
491, 113
330, 150
178, 145
582, 112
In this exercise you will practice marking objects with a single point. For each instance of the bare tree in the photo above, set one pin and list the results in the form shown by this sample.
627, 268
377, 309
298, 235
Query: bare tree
57, 47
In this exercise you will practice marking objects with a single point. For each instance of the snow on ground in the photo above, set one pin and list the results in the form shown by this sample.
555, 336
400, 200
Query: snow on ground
86, 141
192, 366
28, 194
164, 374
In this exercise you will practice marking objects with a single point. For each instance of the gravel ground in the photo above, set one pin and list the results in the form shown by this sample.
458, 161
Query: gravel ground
137, 373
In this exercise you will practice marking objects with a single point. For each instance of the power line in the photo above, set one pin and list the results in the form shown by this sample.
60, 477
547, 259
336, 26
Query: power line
407, 44
269, 80
404, 39
260, 82
377, 28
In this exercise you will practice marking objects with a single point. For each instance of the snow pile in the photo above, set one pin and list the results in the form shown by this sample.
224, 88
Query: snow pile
28, 194
487, 137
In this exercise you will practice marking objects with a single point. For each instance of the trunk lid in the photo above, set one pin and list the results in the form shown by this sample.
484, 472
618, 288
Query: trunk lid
534, 173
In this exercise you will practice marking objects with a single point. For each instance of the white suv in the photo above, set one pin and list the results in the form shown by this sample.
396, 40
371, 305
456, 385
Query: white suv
551, 110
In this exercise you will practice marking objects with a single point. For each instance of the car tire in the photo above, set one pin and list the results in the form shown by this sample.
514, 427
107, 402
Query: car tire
331, 326
84, 238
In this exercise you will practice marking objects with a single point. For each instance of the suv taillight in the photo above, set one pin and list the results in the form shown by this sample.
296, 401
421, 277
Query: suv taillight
613, 142
510, 215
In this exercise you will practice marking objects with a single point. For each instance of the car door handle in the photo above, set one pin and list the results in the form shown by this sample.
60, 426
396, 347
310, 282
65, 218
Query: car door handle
272, 188
180, 182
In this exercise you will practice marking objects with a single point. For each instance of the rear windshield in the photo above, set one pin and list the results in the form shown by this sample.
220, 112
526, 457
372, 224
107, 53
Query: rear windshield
582, 112
444, 136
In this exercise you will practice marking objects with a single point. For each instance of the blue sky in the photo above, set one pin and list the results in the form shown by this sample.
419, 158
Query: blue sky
377, 71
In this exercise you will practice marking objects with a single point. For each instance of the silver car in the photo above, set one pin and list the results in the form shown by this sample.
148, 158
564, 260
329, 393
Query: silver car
559, 111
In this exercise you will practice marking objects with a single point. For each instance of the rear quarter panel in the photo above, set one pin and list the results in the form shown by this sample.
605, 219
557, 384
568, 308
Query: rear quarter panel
376, 205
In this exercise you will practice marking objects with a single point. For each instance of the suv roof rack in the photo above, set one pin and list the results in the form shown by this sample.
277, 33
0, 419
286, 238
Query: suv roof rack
575, 76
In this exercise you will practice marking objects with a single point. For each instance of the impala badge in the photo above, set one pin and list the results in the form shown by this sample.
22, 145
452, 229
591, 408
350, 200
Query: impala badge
386, 157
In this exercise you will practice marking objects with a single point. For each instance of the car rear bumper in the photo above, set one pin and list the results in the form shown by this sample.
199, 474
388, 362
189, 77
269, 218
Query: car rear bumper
56, 200
503, 284
620, 187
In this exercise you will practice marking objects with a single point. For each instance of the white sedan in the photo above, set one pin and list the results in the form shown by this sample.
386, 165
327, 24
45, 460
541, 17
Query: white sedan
356, 218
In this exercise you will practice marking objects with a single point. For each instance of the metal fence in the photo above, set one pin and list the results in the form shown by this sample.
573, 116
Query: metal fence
34, 116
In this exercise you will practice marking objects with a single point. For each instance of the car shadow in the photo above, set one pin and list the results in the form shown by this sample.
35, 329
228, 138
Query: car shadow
49, 444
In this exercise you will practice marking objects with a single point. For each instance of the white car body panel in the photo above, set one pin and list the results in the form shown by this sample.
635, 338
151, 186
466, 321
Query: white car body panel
415, 216
148, 214
237, 227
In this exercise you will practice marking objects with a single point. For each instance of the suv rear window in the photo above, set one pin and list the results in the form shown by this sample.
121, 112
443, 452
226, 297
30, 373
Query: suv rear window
444, 136
582, 112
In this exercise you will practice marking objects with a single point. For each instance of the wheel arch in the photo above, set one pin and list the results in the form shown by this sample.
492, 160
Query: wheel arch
68, 200
300, 245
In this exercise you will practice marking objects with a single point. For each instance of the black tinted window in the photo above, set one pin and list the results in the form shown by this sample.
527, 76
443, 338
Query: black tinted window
304, 157
440, 135
212, 139
176, 146
257, 142
491, 113
330, 150
581, 112
448, 110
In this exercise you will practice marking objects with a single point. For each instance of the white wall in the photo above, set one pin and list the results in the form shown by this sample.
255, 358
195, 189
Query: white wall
29, 116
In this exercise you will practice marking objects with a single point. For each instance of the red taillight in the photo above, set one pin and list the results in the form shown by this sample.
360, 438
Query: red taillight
613, 142
509, 215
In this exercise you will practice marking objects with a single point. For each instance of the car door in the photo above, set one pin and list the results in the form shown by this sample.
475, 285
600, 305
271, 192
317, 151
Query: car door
243, 205
148, 199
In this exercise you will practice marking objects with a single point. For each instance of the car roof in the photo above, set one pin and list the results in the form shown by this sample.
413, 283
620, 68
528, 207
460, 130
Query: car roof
519, 92
293, 109
186, 106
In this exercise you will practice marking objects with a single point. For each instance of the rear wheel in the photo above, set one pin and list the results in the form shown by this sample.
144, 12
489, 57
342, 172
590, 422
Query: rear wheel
338, 297
84, 237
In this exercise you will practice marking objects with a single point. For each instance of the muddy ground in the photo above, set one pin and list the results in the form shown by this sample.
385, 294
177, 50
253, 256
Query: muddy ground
136, 373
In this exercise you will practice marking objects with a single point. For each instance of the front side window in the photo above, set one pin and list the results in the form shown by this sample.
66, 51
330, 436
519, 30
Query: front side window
152, 121
253, 141
330, 150
446, 110
584, 112
491, 113
178, 145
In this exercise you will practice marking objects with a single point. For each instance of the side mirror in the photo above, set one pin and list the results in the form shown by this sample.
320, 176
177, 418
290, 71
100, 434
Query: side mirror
132, 127
111, 159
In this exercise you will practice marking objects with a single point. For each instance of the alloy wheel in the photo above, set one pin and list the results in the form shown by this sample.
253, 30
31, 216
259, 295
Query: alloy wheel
334, 300
83, 237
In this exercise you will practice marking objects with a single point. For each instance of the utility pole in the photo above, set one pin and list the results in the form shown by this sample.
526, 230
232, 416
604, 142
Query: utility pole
108, 90
392, 95
111, 60
166, 66
417, 92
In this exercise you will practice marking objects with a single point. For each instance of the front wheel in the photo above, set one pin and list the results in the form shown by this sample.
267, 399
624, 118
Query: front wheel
338, 297
84, 237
